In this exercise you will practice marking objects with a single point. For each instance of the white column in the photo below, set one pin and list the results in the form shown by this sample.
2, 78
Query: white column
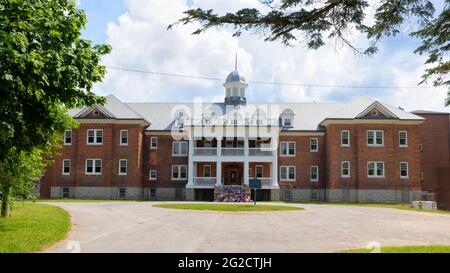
246, 167
219, 163
246, 152
274, 167
190, 183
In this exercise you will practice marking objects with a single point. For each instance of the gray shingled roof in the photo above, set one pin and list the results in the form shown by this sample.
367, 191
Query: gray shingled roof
308, 116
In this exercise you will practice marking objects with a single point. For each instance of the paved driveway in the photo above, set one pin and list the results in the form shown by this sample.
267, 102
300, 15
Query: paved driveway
139, 227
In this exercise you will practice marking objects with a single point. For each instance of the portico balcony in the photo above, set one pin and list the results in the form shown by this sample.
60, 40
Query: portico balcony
233, 151
204, 182
205, 151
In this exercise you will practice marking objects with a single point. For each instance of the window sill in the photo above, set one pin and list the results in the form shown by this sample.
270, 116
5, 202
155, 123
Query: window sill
375, 145
288, 180
345, 146
346, 176
179, 179
122, 174
93, 174
287, 155
179, 155
123, 144
94, 144
376, 177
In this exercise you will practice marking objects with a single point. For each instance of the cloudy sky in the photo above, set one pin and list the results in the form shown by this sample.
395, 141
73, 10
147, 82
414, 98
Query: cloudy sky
137, 31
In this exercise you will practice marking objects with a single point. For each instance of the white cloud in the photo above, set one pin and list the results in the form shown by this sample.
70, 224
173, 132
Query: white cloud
140, 40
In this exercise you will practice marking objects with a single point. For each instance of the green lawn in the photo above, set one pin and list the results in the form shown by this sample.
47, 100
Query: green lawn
406, 249
394, 206
33, 227
84, 200
227, 207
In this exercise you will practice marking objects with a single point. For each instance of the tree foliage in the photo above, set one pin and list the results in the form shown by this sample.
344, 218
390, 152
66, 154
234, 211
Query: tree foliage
313, 22
44, 67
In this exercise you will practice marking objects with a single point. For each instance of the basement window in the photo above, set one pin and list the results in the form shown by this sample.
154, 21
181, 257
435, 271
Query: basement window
122, 192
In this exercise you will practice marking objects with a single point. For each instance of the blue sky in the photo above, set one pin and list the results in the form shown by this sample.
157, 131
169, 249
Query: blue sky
136, 29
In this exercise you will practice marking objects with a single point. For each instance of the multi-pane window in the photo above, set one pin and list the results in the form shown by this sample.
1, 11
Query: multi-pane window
287, 173
122, 167
153, 175
403, 138
93, 166
375, 169
68, 137
123, 137
287, 148
207, 170
179, 148
153, 143
345, 138
345, 169
287, 122
122, 192
314, 173
314, 145
404, 172
179, 172
375, 138
95, 136
259, 171
66, 167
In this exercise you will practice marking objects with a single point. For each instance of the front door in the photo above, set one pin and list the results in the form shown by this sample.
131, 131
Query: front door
233, 176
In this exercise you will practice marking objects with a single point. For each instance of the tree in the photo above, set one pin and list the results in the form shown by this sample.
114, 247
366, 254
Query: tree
45, 66
311, 21
45, 69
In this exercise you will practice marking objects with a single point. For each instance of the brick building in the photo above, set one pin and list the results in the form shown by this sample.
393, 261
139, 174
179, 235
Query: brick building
358, 151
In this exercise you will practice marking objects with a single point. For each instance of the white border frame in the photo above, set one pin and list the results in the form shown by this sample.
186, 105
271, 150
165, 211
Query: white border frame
407, 170
349, 169
317, 145
120, 137
150, 175
349, 142
71, 138
95, 137
93, 166
151, 143
126, 167
375, 138
287, 173
310, 173
375, 169
287, 149
70, 167
406, 138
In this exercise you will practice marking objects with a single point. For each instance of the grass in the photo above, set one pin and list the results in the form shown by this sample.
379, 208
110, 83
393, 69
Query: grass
83, 200
227, 207
405, 249
33, 227
394, 206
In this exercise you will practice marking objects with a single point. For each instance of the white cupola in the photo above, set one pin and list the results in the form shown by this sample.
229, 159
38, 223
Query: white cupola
235, 86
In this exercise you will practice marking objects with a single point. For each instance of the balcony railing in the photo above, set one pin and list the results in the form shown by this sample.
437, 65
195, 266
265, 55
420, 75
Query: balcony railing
207, 182
265, 181
205, 151
260, 151
232, 151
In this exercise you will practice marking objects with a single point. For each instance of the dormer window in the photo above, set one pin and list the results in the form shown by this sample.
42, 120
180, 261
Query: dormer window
287, 118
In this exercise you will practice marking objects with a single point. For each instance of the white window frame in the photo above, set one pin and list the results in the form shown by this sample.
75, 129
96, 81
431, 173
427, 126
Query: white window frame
375, 170
179, 178
375, 138
65, 137
407, 170
342, 138
283, 122
256, 171
342, 169
179, 144
204, 170
317, 145
150, 175
120, 136
70, 166
120, 167
95, 137
311, 172
93, 167
287, 173
287, 143
406, 139
156, 143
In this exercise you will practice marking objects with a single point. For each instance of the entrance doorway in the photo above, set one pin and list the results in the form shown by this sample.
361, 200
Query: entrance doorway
232, 174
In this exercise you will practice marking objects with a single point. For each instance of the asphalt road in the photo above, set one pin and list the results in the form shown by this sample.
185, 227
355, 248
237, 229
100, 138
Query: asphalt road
139, 227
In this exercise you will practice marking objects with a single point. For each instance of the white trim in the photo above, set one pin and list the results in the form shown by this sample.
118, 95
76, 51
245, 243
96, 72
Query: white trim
151, 143
120, 138
93, 167
310, 173
179, 144
376, 105
150, 175
95, 137
126, 167
287, 173
327, 122
70, 167
375, 169
317, 145
287, 149
348, 136
71, 138
342, 169
407, 170
179, 178
283, 122
406, 139
375, 138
